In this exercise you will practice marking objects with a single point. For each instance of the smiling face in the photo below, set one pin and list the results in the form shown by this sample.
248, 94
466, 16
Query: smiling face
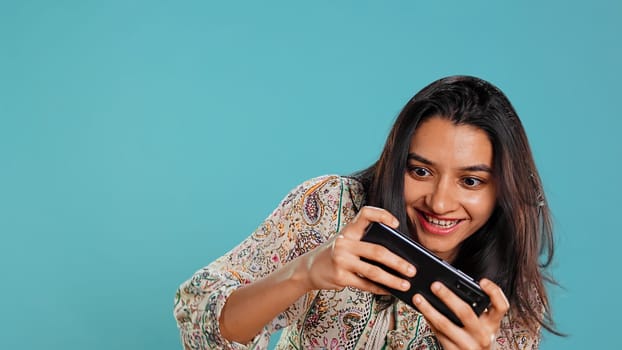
449, 188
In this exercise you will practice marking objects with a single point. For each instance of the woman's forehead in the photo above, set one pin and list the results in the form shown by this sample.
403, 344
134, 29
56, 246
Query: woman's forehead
439, 140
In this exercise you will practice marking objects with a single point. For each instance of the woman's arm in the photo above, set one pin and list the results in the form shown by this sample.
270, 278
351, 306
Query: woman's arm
233, 299
252, 306
201, 299
334, 265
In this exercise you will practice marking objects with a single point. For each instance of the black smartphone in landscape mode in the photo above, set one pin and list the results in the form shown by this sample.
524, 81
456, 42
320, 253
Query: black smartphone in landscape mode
430, 268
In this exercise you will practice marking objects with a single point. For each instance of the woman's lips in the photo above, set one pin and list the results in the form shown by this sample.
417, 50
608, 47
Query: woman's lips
440, 227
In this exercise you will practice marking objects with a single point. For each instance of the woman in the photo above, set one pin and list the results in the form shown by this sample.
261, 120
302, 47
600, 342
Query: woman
457, 174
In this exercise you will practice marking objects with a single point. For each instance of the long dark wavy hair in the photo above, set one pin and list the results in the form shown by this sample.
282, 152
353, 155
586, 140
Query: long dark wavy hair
515, 246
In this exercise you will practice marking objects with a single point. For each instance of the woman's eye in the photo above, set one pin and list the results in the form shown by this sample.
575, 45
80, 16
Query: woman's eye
471, 182
421, 172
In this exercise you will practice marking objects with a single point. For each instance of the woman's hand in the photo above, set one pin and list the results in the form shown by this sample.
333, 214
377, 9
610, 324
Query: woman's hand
337, 263
478, 332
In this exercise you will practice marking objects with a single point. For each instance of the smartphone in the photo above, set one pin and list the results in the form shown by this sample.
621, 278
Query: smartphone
430, 268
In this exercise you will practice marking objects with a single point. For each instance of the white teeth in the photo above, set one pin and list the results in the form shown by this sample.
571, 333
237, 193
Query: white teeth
442, 223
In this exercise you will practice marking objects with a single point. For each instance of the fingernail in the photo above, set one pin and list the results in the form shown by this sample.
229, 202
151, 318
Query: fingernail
418, 299
411, 271
436, 286
396, 223
405, 285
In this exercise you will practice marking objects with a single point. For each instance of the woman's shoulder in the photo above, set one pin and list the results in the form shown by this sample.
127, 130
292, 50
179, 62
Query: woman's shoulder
330, 187
333, 182
322, 194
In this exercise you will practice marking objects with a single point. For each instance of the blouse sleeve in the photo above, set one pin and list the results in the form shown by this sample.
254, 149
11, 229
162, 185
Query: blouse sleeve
304, 219
514, 335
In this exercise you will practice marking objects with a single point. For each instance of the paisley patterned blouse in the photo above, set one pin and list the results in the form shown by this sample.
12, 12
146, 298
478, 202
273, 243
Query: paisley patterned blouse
324, 319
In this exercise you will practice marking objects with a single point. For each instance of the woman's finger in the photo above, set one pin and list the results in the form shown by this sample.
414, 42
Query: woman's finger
362, 283
499, 304
365, 217
378, 275
454, 336
482, 329
459, 307
379, 254
347, 255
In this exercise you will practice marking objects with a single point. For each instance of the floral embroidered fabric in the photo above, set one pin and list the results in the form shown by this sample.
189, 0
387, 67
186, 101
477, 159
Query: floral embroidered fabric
325, 319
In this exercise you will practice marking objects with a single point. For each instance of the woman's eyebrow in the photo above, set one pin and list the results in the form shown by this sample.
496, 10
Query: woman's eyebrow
477, 167
415, 156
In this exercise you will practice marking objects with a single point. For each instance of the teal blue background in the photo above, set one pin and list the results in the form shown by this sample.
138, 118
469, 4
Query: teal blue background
139, 140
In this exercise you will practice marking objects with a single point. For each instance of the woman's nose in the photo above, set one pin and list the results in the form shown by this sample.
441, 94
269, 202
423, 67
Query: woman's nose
442, 198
